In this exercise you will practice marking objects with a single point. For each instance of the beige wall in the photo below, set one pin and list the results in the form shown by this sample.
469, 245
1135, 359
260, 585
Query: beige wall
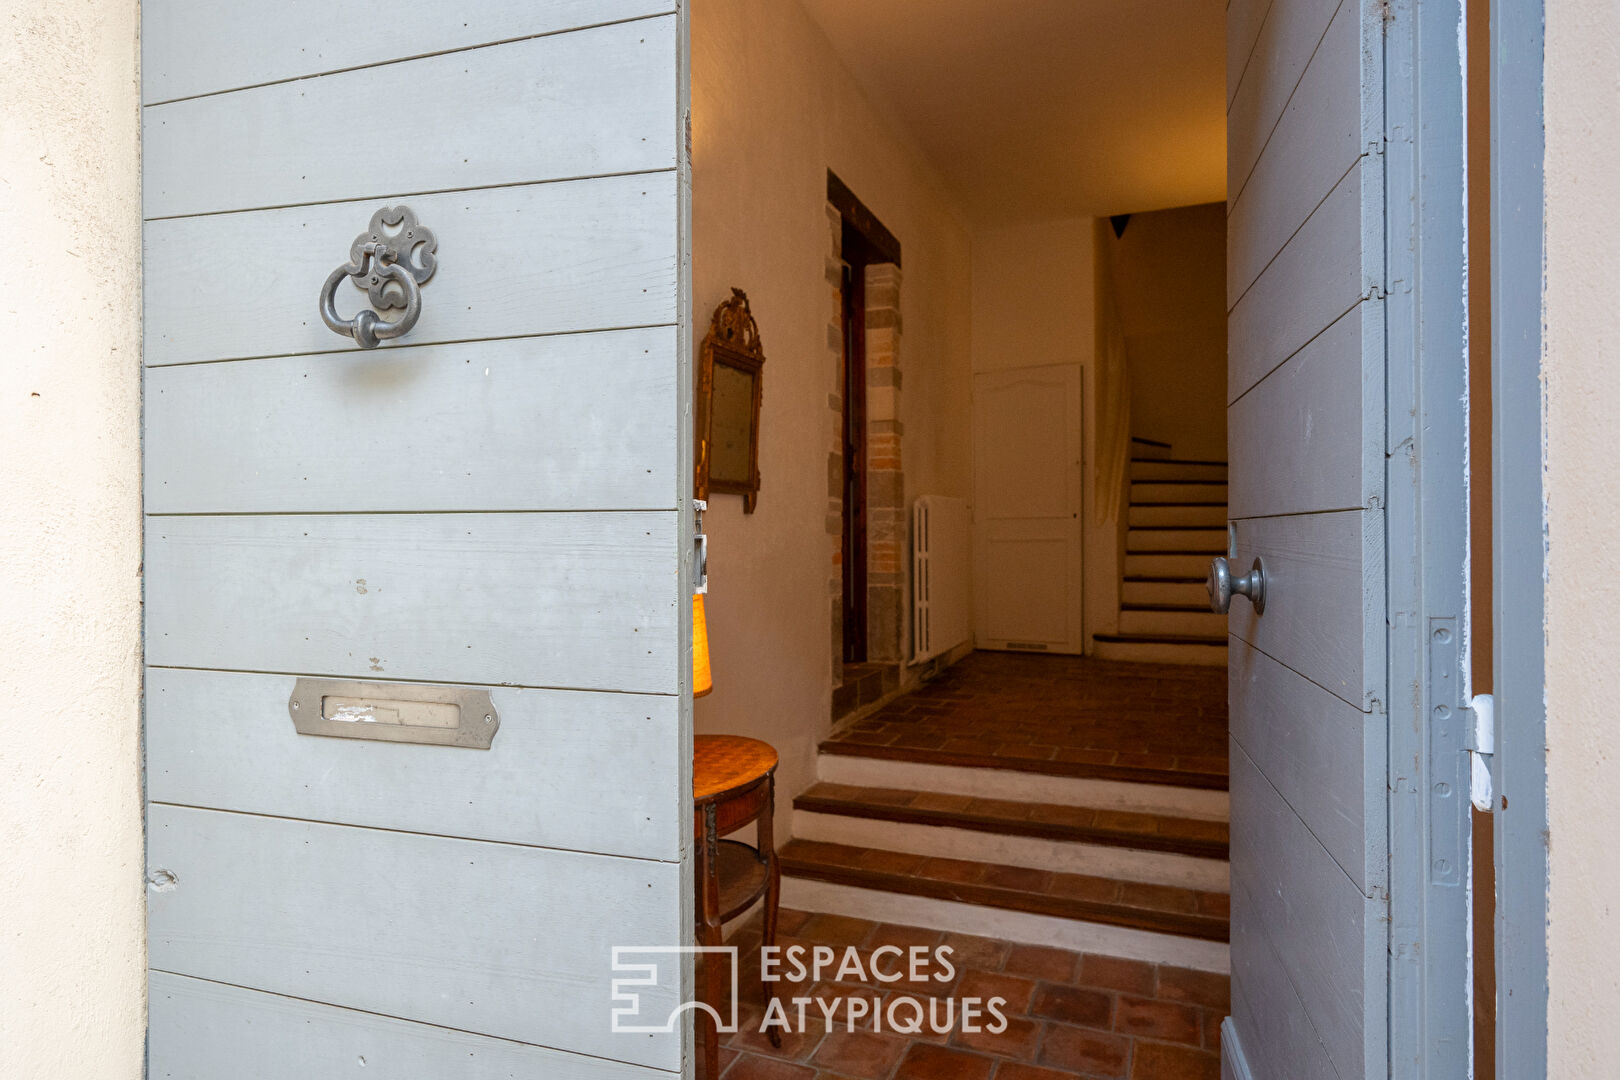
71, 910
772, 111
1170, 281
1582, 372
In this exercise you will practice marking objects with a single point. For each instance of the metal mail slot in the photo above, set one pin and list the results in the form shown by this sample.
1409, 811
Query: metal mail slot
394, 712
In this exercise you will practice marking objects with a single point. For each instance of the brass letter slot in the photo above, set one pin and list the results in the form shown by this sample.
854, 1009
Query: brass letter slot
394, 712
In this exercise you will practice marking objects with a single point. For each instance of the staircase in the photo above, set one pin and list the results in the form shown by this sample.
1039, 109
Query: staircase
1064, 859
1177, 524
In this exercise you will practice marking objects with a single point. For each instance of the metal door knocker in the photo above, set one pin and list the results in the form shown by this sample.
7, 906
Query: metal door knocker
389, 262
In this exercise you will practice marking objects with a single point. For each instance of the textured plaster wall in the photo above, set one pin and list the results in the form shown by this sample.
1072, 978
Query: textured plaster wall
72, 910
772, 110
1582, 372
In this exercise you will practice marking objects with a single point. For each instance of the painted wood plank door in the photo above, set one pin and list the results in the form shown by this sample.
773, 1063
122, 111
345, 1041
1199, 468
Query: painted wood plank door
1348, 481
1026, 509
499, 500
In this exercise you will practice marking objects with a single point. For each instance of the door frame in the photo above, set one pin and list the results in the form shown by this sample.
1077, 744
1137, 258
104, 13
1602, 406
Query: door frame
1518, 536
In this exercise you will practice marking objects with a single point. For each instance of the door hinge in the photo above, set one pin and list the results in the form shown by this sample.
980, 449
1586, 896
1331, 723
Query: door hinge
1481, 747
700, 554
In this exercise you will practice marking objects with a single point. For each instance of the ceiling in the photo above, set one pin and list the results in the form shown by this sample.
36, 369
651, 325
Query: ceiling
1042, 109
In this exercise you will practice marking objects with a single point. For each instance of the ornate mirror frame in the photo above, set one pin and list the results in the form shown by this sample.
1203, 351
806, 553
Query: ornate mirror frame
732, 343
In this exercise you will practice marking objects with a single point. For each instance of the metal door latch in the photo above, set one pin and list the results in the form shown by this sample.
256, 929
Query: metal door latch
700, 561
389, 262
1481, 748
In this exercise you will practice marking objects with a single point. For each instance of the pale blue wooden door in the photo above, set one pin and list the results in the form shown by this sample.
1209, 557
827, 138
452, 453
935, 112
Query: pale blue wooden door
1346, 400
498, 500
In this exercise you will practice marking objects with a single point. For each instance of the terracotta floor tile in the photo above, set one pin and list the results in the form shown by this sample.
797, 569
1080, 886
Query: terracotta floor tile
1019, 1038
980, 952
906, 936
837, 929
1000, 808
990, 984
1040, 962
1158, 897
1163, 1061
1167, 1020
1079, 1005
752, 1067
957, 870
1022, 878
892, 862
1089, 1053
863, 1054
1198, 987
930, 800
1115, 973
924, 1062
1014, 1070
1084, 887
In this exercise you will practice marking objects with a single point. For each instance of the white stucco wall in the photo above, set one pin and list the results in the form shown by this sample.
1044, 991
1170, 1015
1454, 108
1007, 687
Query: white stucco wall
772, 110
1582, 372
72, 908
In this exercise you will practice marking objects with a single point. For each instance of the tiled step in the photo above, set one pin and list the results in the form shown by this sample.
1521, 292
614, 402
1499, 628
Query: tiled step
1155, 565
1174, 469
1182, 515
1161, 538
1159, 620
1196, 837
1162, 649
1200, 492
1185, 592
1158, 909
1153, 769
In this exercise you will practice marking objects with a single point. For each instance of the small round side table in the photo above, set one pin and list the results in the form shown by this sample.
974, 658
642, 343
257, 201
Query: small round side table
733, 783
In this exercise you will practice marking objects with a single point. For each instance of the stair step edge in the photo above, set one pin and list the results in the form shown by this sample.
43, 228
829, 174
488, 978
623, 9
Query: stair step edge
1073, 769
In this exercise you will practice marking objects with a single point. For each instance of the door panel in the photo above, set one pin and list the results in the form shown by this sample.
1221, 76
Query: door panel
1324, 578
499, 500
591, 102
1317, 454
1316, 141
535, 423
529, 259
208, 739
1306, 425
1026, 524
250, 44
1323, 930
416, 927
207, 1030
1277, 56
1306, 742
1325, 269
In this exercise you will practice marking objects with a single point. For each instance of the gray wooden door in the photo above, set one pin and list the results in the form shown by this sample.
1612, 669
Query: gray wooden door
1345, 401
499, 500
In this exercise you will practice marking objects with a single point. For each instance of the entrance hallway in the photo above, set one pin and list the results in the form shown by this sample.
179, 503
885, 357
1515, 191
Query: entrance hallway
1054, 800
1068, 1014
1057, 715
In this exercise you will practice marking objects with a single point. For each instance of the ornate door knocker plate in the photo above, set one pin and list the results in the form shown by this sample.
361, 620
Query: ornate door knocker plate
389, 262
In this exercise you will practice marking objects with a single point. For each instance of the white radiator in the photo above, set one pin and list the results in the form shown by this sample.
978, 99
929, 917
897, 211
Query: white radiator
941, 575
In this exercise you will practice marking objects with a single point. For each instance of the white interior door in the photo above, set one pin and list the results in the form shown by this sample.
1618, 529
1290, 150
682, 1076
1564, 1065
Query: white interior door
496, 504
1026, 509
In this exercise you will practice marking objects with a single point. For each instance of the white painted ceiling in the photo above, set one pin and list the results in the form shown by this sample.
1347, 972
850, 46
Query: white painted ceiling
1042, 109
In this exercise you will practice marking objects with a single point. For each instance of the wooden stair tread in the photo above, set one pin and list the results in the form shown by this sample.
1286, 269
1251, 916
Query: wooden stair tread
1202, 780
1161, 909
1170, 580
1178, 461
1075, 824
1200, 609
1163, 639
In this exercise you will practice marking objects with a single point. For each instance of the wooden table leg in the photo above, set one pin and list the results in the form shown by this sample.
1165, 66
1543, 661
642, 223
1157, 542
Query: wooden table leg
773, 891
715, 974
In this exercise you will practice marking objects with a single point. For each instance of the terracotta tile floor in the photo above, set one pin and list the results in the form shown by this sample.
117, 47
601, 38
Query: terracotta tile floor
1060, 709
1068, 1014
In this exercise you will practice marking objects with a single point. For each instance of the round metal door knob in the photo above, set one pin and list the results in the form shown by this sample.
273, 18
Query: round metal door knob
1222, 586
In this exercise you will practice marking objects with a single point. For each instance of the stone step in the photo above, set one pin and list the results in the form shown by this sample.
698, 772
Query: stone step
1182, 515
1157, 909
1157, 620
1184, 592
1183, 492
1166, 538
1177, 470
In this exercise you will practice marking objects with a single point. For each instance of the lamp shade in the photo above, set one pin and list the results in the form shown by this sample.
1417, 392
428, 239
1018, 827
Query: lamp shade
702, 680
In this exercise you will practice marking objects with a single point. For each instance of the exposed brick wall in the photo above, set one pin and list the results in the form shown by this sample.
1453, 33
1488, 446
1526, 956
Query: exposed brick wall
886, 517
